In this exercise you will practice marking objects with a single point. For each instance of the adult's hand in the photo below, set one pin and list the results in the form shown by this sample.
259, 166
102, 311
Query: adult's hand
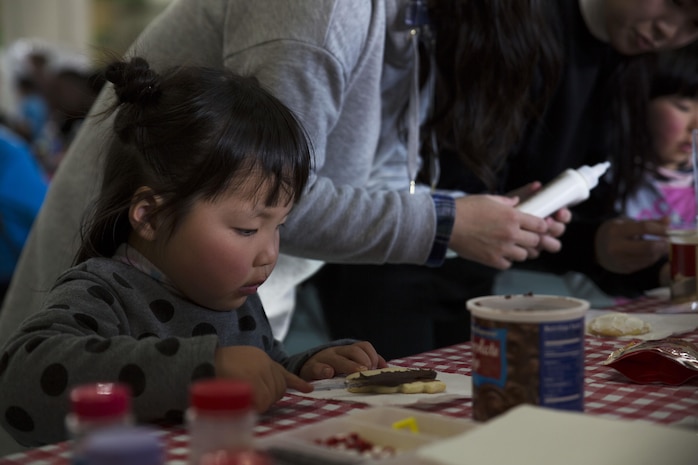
489, 230
525, 191
625, 246
556, 222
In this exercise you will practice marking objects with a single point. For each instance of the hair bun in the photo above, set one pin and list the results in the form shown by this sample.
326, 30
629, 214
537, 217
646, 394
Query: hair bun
134, 81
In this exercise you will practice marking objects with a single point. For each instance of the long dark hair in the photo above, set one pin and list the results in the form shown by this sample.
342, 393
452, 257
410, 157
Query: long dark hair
489, 54
676, 73
191, 133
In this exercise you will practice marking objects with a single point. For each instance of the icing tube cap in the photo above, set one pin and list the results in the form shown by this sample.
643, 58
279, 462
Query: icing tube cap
592, 174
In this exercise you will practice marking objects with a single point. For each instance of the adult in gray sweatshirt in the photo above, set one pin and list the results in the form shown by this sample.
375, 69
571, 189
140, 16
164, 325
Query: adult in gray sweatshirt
346, 68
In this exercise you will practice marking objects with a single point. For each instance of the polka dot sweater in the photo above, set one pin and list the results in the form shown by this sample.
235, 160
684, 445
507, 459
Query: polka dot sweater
105, 320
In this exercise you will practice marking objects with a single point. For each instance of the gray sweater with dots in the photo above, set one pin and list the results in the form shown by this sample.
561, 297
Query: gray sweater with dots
105, 320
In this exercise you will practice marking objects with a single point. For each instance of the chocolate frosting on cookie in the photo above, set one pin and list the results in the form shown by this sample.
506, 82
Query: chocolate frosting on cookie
393, 378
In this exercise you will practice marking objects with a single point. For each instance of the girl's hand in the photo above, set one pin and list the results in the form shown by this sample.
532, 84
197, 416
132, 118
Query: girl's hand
622, 246
342, 360
268, 378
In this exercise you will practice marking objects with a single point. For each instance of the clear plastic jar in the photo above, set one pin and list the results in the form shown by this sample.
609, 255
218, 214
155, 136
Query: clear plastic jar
124, 446
220, 417
94, 407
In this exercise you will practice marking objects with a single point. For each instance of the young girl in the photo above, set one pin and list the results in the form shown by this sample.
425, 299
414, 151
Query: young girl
185, 230
668, 189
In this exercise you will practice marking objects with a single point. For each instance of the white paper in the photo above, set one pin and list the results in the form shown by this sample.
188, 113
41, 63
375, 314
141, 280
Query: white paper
661, 325
529, 435
662, 293
457, 386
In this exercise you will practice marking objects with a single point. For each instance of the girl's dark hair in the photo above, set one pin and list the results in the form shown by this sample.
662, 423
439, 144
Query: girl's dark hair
629, 143
671, 72
676, 73
489, 54
192, 133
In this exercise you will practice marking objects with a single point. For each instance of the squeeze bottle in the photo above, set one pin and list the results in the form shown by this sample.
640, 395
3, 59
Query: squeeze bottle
568, 188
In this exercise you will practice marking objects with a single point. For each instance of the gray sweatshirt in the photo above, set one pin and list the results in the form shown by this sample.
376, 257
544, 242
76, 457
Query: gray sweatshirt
343, 66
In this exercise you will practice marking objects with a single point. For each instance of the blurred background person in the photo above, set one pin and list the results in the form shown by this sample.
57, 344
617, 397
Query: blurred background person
23, 186
33, 111
70, 93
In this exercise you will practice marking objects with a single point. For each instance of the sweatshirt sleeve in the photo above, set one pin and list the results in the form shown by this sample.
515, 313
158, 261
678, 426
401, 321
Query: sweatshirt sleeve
88, 341
336, 95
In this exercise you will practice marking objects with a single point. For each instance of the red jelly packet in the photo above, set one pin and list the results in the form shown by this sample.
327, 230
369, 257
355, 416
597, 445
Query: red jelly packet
668, 361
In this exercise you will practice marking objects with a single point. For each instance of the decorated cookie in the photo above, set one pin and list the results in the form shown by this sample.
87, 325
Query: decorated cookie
618, 324
394, 380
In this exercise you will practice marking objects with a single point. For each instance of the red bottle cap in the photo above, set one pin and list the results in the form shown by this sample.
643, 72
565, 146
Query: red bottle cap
100, 400
220, 395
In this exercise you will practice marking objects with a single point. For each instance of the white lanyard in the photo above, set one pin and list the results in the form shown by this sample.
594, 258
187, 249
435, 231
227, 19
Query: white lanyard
416, 18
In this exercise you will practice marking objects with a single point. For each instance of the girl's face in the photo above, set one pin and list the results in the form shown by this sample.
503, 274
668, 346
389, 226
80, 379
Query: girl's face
221, 252
671, 121
641, 26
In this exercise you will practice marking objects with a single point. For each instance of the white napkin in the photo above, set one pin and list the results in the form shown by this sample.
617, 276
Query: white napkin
661, 325
457, 386
528, 435
662, 293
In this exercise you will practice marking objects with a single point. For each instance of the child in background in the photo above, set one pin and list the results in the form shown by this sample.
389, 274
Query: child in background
164, 287
667, 192
668, 189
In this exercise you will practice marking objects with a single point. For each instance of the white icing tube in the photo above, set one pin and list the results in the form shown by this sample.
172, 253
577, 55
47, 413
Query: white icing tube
569, 188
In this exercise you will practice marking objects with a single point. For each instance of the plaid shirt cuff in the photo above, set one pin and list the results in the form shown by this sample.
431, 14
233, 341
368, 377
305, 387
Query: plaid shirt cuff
445, 215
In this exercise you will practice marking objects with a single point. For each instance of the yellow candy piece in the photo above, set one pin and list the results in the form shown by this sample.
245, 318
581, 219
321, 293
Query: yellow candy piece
408, 423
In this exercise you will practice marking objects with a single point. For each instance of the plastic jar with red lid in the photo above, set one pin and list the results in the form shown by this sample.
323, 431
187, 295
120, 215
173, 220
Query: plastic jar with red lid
124, 445
94, 407
220, 417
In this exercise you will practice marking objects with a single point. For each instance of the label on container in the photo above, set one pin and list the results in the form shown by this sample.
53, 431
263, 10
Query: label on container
533, 363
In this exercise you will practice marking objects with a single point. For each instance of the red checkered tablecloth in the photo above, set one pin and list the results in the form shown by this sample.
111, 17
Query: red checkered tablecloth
607, 393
